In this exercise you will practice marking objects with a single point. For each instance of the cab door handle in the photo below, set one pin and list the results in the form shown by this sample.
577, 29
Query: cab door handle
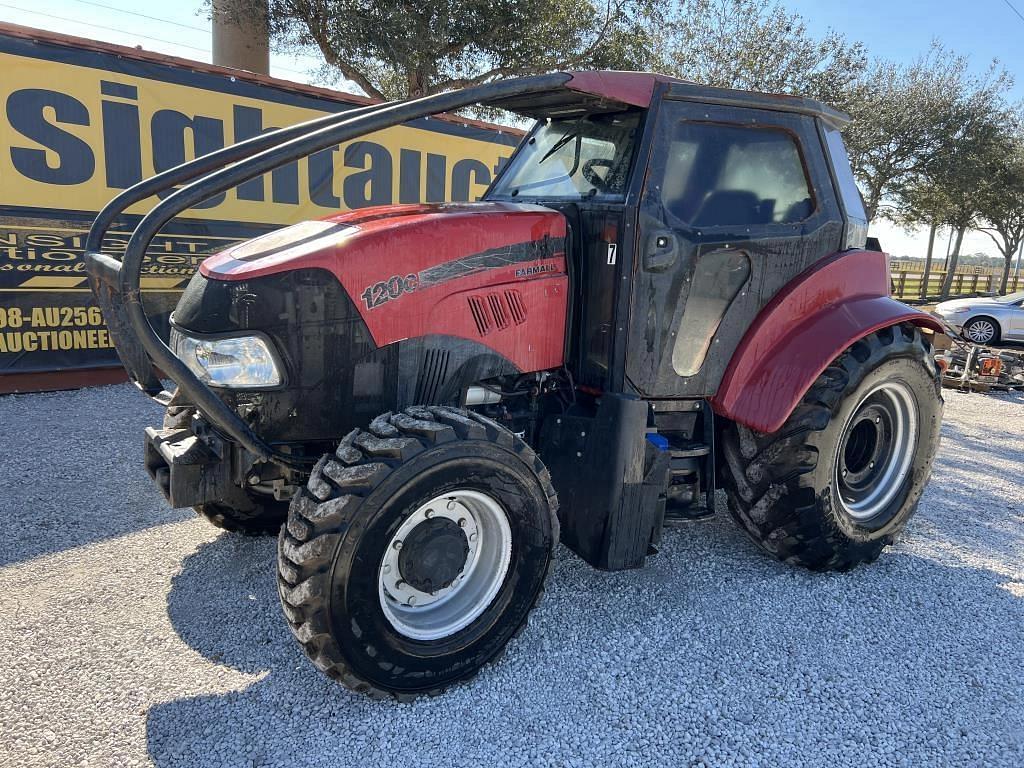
660, 251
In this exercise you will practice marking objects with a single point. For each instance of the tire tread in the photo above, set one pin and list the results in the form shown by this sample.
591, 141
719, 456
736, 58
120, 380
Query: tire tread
321, 513
764, 475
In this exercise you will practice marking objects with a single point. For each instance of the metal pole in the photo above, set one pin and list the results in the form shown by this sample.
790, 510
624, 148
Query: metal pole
241, 39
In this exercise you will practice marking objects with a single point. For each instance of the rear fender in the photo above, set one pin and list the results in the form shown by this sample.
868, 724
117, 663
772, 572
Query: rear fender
837, 302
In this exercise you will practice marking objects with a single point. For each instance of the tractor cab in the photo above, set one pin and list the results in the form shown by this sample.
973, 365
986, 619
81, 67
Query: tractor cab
688, 210
696, 189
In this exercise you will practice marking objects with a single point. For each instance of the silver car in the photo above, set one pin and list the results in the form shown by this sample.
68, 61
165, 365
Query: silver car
986, 320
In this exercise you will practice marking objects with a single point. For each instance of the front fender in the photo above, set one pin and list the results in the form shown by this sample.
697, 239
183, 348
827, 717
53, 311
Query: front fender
805, 327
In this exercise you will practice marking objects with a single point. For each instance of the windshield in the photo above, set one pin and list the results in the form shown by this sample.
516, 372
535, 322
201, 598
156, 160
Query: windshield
1011, 298
575, 159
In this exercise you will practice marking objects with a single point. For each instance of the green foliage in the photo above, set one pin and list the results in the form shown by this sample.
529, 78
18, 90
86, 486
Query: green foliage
399, 49
1001, 201
915, 131
758, 45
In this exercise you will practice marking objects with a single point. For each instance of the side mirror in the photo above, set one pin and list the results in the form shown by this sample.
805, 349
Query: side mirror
660, 251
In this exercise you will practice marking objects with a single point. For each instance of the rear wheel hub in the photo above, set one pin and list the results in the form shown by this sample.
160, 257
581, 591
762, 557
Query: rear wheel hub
876, 449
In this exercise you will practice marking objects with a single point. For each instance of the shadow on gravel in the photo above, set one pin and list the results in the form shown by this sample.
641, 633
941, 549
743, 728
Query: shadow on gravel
985, 442
975, 493
712, 653
73, 471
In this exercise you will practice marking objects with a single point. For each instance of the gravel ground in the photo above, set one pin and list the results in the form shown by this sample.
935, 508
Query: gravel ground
132, 634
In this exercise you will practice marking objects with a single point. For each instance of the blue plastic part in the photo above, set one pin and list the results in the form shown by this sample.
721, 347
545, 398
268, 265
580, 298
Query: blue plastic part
659, 441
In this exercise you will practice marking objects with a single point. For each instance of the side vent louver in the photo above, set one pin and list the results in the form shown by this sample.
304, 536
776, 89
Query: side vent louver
478, 308
516, 306
497, 310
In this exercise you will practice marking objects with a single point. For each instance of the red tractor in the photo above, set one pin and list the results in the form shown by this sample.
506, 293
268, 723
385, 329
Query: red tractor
665, 291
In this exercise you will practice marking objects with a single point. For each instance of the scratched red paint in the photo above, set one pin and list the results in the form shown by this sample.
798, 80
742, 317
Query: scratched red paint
373, 245
807, 325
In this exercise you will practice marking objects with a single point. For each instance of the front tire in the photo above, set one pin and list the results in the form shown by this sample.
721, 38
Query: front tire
841, 478
262, 518
416, 551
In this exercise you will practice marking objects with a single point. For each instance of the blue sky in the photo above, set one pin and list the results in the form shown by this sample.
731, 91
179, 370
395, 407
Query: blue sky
900, 29
894, 29
175, 27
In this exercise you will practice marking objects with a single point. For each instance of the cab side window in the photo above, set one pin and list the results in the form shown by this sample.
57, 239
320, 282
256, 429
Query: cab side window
728, 175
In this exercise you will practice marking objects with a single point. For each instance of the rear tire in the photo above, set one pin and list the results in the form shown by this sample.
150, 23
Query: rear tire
458, 495
841, 478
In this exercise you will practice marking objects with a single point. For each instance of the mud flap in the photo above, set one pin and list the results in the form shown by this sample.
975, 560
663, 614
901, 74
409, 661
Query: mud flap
611, 481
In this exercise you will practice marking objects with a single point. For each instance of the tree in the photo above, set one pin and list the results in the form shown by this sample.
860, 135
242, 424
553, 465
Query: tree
905, 116
400, 48
952, 173
1002, 204
758, 45
964, 176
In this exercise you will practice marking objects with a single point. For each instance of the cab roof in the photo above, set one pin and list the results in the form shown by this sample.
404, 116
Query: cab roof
611, 91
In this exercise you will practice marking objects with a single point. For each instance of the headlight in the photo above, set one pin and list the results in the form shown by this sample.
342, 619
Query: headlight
239, 362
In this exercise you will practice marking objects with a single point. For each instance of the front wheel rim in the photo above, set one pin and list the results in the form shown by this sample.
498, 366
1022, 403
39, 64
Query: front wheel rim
981, 331
876, 450
450, 598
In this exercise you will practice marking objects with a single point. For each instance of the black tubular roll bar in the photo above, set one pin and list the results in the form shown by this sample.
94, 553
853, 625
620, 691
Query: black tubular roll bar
116, 284
102, 267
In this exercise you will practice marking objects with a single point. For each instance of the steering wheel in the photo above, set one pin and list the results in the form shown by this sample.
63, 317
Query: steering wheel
591, 176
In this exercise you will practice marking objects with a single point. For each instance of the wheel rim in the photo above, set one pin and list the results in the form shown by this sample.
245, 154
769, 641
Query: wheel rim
980, 331
876, 450
445, 564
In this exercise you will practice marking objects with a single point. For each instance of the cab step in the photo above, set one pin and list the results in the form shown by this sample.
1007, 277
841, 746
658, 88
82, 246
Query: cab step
688, 463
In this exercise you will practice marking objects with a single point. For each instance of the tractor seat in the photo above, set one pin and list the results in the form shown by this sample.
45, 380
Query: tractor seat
733, 207
798, 211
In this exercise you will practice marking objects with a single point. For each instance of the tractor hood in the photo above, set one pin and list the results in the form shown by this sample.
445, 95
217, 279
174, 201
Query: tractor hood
407, 248
414, 270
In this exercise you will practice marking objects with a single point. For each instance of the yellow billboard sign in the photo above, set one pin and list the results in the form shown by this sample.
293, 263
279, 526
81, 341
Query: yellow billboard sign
82, 121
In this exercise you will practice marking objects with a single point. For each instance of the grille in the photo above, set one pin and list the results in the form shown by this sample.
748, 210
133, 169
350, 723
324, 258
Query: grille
432, 376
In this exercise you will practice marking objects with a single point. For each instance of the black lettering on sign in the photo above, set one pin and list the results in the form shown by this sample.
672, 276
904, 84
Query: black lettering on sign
122, 153
371, 186
169, 128
321, 178
437, 175
409, 161
27, 113
284, 181
462, 173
